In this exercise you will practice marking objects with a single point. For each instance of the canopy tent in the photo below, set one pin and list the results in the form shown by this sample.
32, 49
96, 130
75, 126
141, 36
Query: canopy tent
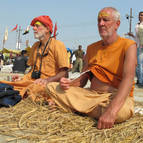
4, 50
9, 52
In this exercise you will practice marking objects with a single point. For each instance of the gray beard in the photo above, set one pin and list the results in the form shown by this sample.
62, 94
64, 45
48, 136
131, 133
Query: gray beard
39, 36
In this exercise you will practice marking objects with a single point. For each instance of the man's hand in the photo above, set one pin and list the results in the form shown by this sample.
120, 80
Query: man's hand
41, 81
65, 83
106, 120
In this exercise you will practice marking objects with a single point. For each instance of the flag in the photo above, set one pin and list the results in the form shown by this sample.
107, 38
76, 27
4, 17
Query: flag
27, 30
5, 35
14, 28
55, 30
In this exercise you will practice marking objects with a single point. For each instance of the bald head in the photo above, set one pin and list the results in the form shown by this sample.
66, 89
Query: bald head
115, 13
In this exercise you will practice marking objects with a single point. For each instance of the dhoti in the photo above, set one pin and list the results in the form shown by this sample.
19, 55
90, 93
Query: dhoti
85, 100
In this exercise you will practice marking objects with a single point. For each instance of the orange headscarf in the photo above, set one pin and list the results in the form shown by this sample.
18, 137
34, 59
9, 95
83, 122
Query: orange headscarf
45, 20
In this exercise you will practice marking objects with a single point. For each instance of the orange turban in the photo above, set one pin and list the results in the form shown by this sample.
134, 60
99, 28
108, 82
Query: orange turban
45, 20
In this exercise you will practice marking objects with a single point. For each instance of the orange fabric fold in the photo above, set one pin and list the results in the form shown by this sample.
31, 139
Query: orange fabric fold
108, 63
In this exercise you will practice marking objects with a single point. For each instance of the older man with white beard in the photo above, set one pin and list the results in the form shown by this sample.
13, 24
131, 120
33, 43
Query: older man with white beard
48, 60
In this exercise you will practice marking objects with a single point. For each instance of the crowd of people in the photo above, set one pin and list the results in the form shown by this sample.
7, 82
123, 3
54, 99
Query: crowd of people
109, 64
17, 62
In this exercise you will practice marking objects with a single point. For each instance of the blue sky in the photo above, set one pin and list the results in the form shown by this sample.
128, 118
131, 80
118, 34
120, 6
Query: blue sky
76, 19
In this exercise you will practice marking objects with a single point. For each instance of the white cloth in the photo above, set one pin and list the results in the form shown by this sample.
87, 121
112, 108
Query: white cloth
139, 34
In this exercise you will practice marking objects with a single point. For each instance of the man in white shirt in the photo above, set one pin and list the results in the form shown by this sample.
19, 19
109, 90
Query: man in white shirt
138, 37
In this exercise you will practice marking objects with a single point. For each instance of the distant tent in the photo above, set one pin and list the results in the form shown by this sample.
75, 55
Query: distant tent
16, 51
5, 50
11, 51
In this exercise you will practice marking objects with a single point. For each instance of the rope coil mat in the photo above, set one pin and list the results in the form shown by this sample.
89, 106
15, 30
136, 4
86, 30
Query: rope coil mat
28, 122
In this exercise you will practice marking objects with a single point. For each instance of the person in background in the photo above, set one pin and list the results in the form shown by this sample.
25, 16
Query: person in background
110, 65
78, 64
20, 63
69, 51
138, 37
48, 60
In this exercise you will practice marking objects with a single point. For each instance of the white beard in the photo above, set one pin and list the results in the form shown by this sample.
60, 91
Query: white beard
39, 35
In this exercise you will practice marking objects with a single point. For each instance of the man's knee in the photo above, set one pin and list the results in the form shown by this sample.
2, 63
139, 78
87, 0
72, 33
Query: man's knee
96, 113
127, 111
52, 85
53, 88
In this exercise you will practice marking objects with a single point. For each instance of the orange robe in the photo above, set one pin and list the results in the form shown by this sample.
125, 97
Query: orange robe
108, 63
57, 58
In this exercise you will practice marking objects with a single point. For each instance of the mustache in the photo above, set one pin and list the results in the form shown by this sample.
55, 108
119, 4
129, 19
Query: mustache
102, 26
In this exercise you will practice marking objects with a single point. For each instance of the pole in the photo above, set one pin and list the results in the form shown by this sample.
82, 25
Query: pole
130, 21
129, 18
18, 39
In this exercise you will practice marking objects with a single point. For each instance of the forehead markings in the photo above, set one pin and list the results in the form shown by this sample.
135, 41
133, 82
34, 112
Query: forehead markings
103, 14
38, 23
